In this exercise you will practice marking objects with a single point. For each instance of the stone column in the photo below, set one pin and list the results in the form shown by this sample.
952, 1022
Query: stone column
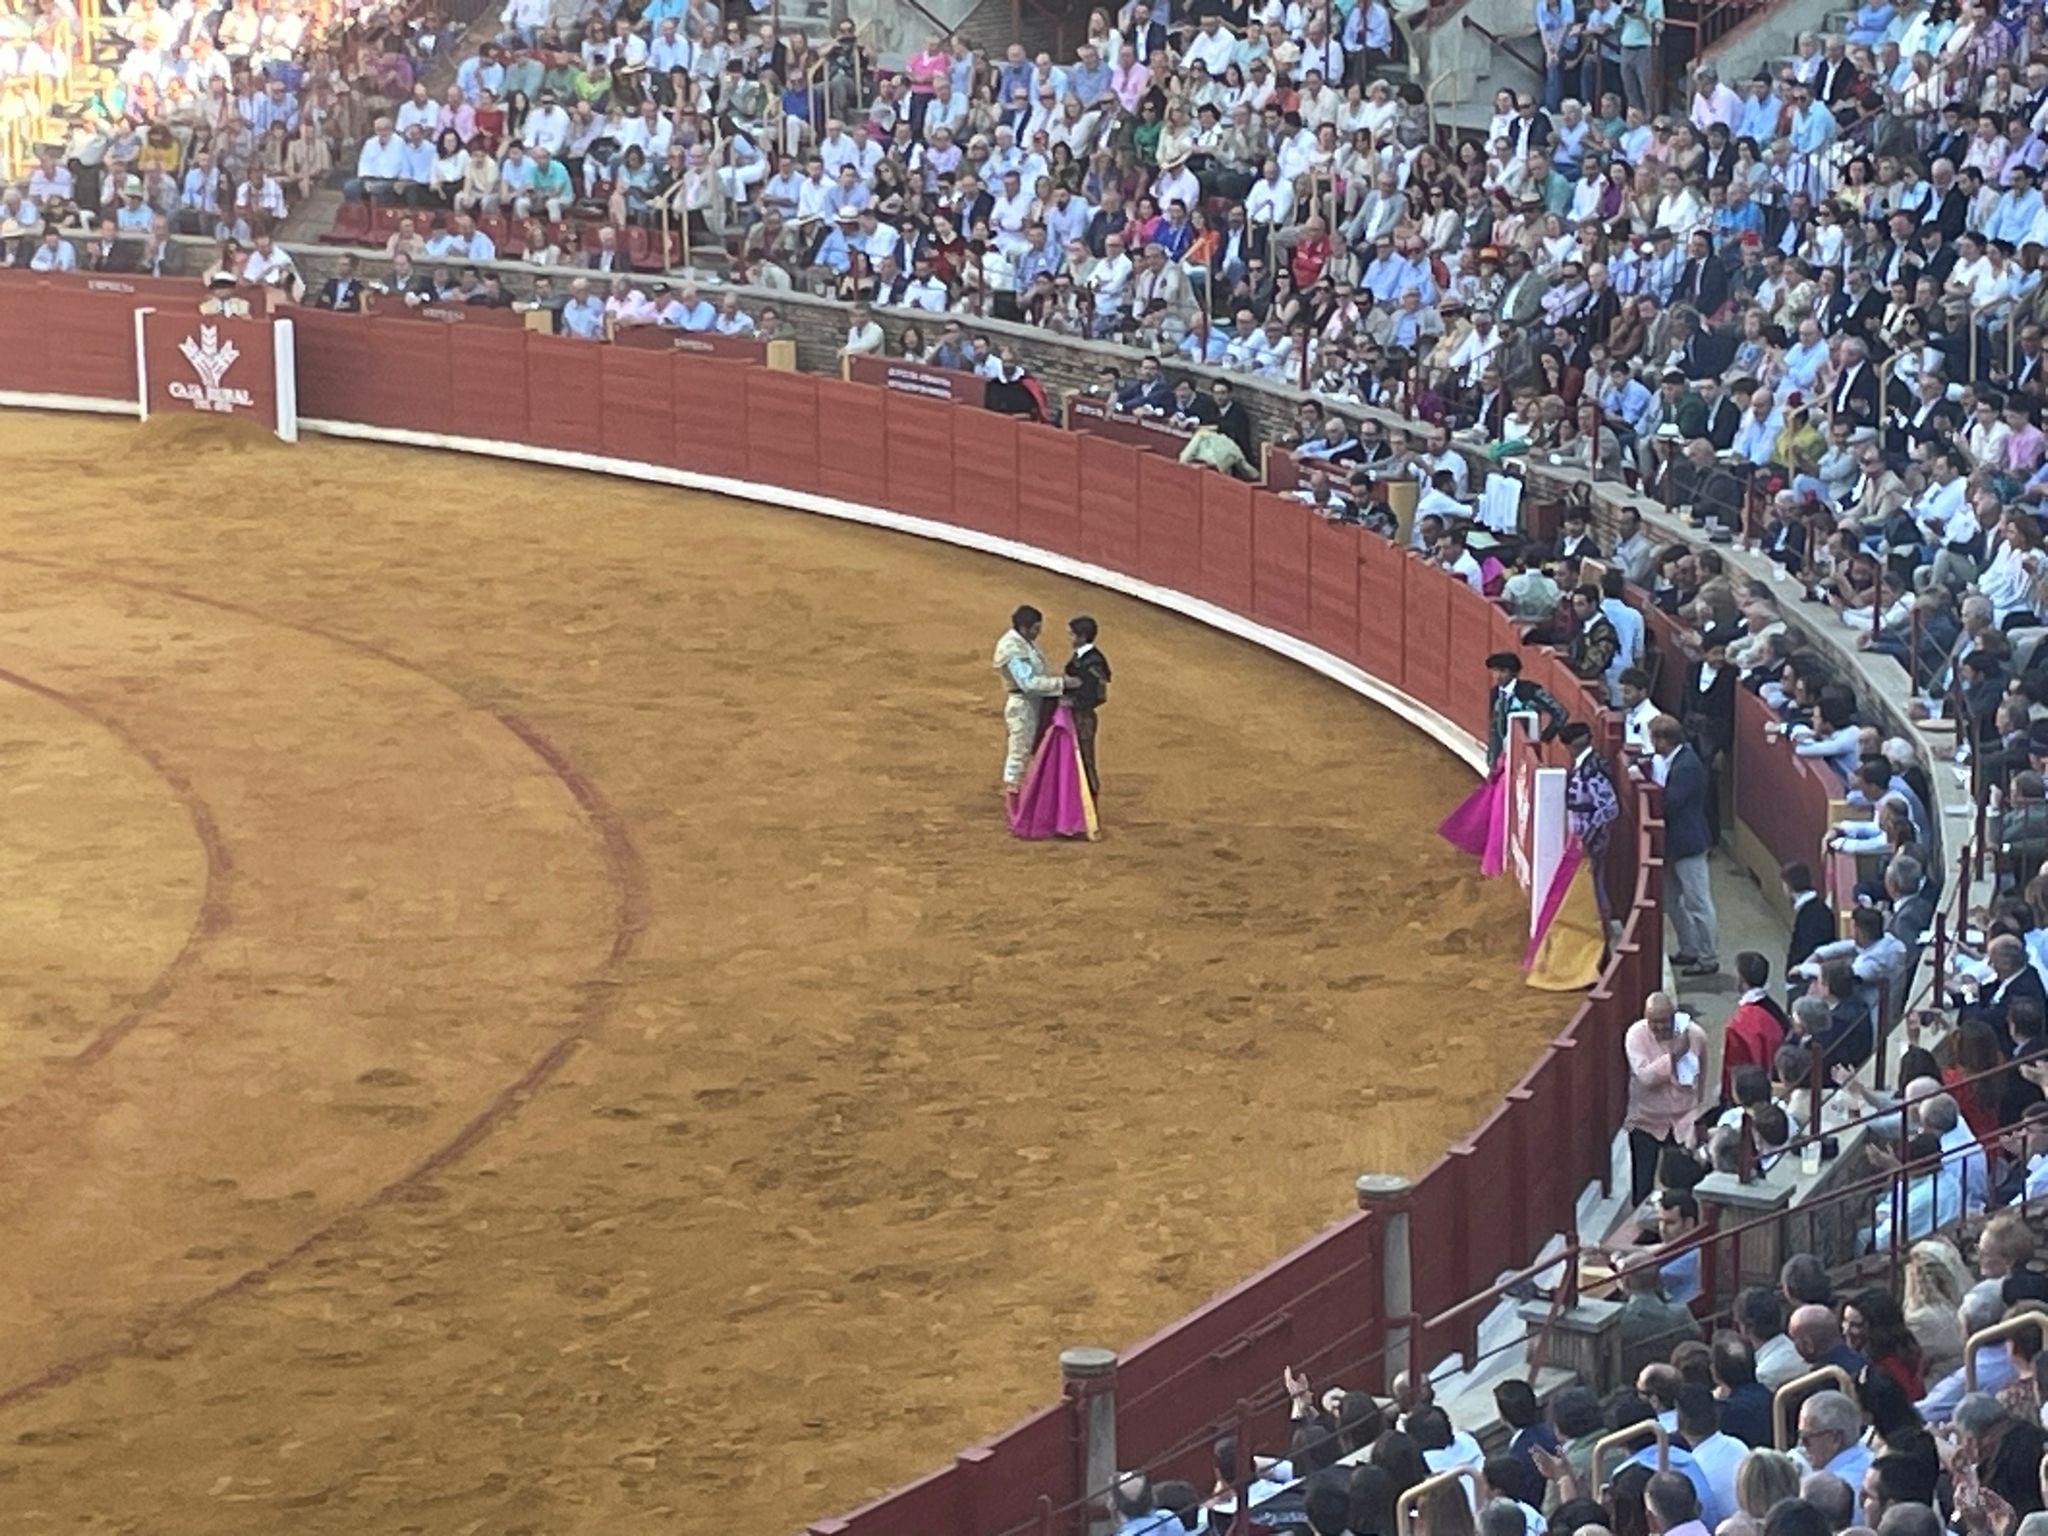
1764, 1246
1385, 1195
1089, 1376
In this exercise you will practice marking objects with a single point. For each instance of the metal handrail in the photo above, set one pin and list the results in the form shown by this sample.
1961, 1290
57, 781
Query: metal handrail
1410, 1503
1621, 1438
2035, 1317
1797, 1390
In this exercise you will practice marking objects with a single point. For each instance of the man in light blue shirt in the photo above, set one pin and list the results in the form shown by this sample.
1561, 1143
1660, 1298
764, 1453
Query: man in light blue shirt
689, 311
1757, 437
1761, 109
1831, 1440
583, 315
1813, 125
2012, 218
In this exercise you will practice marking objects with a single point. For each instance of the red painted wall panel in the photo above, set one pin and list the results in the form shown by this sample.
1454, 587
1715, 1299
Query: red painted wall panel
334, 366
986, 469
564, 403
489, 368
1382, 609
410, 375
637, 417
711, 415
1170, 523
1227, 542
24, 338
918, 448
1049, 490
1333, 586
92, 346
850, 458
1426, 638
782, 428
1472, 638
1280, 562
1109, 503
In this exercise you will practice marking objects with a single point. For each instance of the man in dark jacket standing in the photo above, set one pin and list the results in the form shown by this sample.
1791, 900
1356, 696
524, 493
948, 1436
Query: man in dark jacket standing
1687, 843
1091, 669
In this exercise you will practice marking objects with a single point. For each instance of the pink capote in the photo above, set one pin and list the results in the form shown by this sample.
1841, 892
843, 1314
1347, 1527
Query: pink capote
1055, 801
1479, 825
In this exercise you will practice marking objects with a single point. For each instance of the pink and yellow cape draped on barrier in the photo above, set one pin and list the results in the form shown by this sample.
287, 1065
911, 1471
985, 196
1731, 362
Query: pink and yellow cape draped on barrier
1564, 953
1055, 801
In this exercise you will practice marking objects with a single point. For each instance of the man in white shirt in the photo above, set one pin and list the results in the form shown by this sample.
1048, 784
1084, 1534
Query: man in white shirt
1271, 199
1110, 281
863, 335
378, 164
547, 126
420, 110
1946, 519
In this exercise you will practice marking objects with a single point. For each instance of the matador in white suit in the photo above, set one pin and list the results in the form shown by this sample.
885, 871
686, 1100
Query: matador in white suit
1030, 682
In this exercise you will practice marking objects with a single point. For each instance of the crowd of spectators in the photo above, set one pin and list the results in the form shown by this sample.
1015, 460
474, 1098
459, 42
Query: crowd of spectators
1899, 1445
209, 120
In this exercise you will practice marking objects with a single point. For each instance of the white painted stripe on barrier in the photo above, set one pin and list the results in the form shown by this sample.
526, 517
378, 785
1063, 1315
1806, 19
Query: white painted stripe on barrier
31, 400
1430, 722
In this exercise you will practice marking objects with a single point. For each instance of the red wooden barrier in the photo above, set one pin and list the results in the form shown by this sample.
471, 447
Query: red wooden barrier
918, 448
1784, 798
711, 415
1483, 1208
637, 415
1109, 503
1280, 563
986, 471
1333, 586
848, 466
489, 368
782, 428
1170, 523
564, 400
1049, 489
1227, 543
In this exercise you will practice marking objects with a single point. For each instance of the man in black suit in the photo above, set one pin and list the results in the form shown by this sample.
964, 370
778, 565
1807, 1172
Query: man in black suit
1146, 36
1687, 842
2012, 978
1812, 923
1951, 140
341, 291
1703, 281
105, 252
1723, 416
1232, 421
1530, 131
1898, 259
1704, 353
1854, 398
2028, 365
1838, 79
1147, 390
1090, 668
1865, 306
1948, 208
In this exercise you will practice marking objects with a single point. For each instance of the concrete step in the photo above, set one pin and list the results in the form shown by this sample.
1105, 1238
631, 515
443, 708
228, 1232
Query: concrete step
311, 219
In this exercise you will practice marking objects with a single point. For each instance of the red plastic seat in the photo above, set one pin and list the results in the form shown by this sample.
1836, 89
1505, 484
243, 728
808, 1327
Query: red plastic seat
351, 225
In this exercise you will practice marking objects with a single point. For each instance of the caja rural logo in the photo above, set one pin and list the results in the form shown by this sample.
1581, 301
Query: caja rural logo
211, 358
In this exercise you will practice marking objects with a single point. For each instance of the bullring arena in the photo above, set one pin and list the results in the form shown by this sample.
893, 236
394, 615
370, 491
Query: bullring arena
526, 1015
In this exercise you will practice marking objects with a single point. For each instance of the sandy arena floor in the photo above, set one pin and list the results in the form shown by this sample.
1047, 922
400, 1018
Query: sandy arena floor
520, 1015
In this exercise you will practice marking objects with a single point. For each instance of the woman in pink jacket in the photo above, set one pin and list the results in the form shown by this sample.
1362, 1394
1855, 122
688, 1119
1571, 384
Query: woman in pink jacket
1667, 1059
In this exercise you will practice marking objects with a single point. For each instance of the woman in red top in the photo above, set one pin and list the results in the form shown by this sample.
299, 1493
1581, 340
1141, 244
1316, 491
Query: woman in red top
1311, 253
1976, 1051
1874, 1325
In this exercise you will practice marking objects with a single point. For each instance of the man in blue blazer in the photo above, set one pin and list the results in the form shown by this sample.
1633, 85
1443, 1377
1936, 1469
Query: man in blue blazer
1687, 842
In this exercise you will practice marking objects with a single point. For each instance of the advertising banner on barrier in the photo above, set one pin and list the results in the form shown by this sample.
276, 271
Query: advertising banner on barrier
220, 360
918, 379
1086, 413
666, 338
1535, 814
